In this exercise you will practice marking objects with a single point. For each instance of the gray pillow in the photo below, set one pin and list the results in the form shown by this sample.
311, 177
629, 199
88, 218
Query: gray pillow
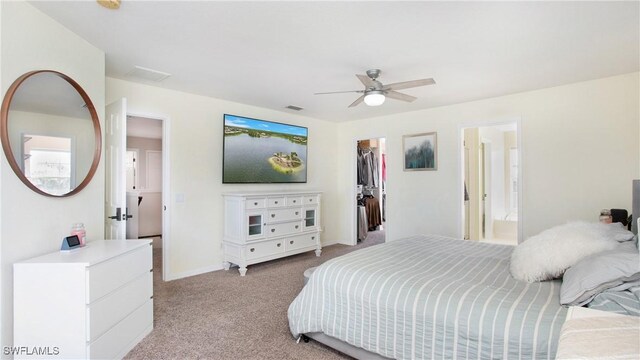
619, 232
618, 268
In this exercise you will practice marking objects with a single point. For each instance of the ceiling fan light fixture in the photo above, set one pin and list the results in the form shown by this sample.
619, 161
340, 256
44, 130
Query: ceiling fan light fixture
374, 98
109, 4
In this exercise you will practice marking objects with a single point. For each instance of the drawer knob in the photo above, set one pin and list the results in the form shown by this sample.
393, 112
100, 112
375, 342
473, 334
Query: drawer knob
291, 242
279, 244
313, 238
310, 200
294, 201
276, 202
273, 230
297, 226
255, 204
252, 249
273, 215
297, 213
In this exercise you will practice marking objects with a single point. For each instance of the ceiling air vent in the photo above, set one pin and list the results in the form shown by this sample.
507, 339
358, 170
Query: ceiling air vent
148, 74
292, 107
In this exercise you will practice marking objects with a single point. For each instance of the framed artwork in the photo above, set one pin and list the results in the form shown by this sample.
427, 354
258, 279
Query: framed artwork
420, 151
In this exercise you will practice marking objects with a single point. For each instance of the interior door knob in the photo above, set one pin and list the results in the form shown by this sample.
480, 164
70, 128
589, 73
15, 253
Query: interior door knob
118, 215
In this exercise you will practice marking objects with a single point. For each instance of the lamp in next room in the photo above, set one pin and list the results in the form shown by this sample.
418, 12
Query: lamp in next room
374, 98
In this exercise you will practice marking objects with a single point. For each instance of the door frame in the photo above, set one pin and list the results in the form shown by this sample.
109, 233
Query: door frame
354, 192
166, 188
517, 120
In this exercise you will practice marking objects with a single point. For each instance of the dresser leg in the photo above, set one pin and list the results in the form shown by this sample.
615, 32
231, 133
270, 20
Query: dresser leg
226, 265
318, 252
242, 270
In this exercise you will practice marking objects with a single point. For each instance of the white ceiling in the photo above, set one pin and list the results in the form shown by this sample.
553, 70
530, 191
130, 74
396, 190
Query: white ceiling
274, 54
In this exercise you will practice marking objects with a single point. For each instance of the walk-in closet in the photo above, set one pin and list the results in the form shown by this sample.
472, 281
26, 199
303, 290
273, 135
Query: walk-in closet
371, 194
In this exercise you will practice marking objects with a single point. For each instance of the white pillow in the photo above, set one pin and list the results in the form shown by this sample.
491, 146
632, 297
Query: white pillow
547, 255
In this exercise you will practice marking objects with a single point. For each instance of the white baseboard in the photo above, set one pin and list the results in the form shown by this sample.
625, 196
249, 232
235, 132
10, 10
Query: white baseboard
327, 243
194, 272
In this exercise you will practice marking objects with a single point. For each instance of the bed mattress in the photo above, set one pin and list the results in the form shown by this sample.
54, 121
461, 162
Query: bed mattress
431, 297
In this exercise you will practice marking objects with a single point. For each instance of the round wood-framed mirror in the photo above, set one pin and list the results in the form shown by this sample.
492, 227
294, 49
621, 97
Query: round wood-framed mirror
50, 133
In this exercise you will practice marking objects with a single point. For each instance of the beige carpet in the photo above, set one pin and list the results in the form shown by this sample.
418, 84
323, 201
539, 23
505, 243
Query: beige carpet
221, 315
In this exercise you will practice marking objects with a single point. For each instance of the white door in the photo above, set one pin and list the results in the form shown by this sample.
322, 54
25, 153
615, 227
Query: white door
487, 195
115, 197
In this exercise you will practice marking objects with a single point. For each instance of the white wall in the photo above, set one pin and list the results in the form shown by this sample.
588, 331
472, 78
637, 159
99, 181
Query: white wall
580, 151
33, 224
196, 127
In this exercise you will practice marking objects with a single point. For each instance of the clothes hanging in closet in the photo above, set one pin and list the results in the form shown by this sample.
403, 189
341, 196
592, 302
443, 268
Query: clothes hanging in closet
368, 174
374, 218
363, 225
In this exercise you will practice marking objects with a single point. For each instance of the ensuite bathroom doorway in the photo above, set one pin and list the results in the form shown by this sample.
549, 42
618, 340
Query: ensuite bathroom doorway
144, 163
371, 194
491, 183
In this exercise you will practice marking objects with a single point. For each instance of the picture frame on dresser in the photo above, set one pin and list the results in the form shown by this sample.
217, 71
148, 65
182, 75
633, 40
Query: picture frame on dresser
264, 226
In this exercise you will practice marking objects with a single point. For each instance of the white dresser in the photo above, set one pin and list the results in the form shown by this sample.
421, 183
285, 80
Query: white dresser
265, 226
94, 302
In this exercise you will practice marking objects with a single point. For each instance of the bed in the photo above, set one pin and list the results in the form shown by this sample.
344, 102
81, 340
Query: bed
429, 297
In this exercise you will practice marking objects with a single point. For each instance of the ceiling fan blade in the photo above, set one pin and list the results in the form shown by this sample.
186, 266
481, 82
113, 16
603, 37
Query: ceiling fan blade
340, 92
399, 96
357, 102
409, 84
366, 80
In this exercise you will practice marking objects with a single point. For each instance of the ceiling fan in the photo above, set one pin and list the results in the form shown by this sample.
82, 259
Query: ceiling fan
375, 92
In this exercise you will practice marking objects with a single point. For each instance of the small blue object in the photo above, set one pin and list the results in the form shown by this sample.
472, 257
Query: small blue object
70, 243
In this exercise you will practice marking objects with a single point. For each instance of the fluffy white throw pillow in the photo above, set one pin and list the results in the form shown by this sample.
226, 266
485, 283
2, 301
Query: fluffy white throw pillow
547, 255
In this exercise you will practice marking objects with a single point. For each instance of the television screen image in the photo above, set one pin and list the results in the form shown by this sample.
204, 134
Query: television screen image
259, 151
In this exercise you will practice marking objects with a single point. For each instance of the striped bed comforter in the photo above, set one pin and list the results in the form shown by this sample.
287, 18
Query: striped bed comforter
431, 297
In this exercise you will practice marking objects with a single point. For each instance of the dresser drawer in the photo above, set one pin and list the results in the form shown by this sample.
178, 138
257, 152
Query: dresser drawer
284, 215
266, 248
118, 338
301, 241
108, 311
107, 276
276, 202
294, 200
284, 228
310, 200
255, 203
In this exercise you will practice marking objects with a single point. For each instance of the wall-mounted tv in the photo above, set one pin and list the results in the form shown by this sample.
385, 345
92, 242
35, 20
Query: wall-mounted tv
259, 151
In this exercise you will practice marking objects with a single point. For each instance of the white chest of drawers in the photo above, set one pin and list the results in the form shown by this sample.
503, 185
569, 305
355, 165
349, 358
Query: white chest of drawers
91, 303
260, 227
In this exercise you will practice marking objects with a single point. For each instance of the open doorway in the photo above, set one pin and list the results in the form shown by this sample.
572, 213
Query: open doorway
371, 195
491, 183
144, 163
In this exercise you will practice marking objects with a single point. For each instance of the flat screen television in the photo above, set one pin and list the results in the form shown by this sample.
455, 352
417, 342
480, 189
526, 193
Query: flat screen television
260, 151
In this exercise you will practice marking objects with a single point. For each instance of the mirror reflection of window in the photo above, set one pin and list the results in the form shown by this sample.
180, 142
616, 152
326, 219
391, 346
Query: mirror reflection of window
47, 163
